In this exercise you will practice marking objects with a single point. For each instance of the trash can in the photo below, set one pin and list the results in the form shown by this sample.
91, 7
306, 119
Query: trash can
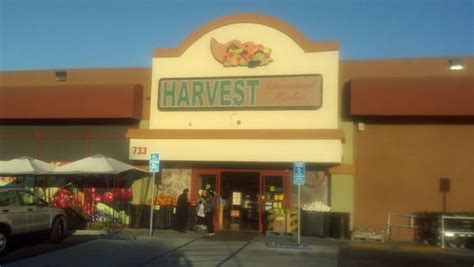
340, 225
315, 223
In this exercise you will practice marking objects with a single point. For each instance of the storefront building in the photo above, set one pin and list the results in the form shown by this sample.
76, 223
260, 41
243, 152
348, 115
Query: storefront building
239, 101
234, 111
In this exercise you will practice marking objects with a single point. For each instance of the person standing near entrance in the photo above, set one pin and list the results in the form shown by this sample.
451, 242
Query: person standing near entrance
200, 214
182, 206
210, 210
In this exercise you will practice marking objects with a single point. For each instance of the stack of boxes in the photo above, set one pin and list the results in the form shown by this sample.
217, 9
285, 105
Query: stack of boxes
276, 221
291, 221
282, 221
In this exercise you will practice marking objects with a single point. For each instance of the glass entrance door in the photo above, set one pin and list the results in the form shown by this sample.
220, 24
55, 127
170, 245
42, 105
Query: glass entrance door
240, 200
256, 192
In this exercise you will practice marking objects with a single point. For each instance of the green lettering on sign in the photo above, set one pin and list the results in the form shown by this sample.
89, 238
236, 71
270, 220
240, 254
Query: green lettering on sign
253, 90
169, 94
198, 87
183, 94
212, 94
240, 94
225, 92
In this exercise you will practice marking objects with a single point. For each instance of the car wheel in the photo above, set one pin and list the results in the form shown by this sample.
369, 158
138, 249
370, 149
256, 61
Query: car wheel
57, 230
4, 240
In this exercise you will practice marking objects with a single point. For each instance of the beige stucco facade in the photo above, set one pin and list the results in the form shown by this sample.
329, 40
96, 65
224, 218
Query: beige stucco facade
269, 139
289, 58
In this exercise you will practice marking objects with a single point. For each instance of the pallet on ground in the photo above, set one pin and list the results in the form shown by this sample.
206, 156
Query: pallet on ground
368, 235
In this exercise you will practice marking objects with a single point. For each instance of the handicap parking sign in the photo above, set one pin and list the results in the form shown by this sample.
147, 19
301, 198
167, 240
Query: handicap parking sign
154, 162
299, 173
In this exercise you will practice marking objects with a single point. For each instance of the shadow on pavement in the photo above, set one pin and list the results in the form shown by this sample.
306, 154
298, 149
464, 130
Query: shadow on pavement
371, 258
36, 244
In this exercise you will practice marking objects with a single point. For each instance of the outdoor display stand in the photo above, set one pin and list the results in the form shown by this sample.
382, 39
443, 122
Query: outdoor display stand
315, 223
139, 216
453, 229
164, 218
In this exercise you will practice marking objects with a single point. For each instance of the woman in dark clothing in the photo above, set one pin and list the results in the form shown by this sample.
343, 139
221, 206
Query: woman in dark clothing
182, 211
210, 210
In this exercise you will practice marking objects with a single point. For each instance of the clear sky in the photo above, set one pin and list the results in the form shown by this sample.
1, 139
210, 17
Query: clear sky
48, 34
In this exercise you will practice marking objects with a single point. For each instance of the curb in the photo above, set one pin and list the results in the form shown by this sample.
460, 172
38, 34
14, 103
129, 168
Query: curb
87, 232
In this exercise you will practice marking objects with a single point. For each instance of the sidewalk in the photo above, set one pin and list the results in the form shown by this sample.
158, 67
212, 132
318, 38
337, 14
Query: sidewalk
134, 247
328, 251
312, 242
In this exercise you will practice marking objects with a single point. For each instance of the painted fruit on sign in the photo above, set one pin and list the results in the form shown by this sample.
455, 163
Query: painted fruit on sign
236, 53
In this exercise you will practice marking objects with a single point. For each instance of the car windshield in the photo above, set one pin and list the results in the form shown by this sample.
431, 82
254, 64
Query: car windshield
29, 199
8, 198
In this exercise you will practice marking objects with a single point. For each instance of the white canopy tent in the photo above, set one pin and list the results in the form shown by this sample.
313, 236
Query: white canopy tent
96, 171
97, 164
101, 171
25, 166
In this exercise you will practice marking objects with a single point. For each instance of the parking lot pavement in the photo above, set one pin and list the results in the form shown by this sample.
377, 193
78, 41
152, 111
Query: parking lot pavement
199, 252
34, 245
259, 254
170, 248
105, 252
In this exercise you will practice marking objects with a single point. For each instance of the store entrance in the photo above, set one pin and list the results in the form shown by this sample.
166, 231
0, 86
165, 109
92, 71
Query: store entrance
245, 197
240, 194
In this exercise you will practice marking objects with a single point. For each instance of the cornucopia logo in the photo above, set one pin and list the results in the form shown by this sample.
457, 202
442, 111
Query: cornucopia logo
236, 53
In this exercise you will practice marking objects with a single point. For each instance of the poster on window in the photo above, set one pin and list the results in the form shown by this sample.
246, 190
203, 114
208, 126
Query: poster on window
314, 193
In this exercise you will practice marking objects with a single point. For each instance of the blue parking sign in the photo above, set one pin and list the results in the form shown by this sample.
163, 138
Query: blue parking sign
154, 162
299, 173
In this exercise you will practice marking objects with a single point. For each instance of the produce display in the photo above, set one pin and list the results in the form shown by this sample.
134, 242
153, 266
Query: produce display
163, 200
65, 198
316, 206
87, 199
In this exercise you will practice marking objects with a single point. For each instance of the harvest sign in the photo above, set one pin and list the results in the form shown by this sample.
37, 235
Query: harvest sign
271, 92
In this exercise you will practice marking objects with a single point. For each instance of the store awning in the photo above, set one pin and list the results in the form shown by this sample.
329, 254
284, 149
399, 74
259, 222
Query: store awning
427, 96
106, 101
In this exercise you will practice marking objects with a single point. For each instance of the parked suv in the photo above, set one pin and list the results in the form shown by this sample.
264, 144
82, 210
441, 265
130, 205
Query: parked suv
22, 212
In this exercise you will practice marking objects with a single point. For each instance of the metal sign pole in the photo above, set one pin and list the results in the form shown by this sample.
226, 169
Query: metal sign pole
299, 215
299, 179
152, 204
154, 168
